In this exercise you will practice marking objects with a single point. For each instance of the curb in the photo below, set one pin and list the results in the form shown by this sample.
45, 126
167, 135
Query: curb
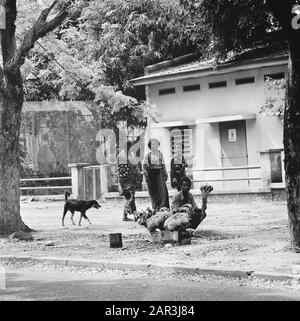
277, 277
154, 267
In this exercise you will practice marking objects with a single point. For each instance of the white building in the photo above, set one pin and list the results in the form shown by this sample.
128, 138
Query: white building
227, 141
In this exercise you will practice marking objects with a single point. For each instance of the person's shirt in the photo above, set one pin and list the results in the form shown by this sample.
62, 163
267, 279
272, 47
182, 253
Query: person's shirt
178, 165
125, 168
125, 171
178, 168
154, 161
180, 199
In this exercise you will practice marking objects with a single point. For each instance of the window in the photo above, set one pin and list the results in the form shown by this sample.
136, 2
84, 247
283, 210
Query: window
242, 81
181, 135
276, 76
166, 91
191, 87
274, 91
217, 84
276, 167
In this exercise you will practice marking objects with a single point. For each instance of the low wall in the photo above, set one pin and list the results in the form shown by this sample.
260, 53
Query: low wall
142, 198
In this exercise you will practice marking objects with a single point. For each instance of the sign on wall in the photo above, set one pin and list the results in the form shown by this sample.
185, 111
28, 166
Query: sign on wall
232, 135
2, 15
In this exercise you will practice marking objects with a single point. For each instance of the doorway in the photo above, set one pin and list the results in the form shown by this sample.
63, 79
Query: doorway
234, 152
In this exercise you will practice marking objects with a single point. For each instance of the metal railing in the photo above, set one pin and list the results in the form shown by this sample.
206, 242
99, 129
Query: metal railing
224, 169
219, 169
44, 179
280, 184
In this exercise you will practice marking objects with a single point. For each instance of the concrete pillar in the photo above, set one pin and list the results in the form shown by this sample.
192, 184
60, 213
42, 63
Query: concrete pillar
94, 184
165, 148
198, 151
265, 162
147, 135
2, 15
103, 179
77, 179
282, 167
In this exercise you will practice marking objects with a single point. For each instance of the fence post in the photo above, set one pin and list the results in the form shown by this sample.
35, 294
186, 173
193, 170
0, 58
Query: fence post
265, 162
283, 167
2, 278
103, 179
2, 15
77, 179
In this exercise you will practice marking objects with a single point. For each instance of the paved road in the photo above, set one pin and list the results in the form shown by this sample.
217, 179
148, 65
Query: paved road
60, 286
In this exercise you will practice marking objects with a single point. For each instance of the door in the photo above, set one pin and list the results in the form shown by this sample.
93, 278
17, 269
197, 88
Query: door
234, 152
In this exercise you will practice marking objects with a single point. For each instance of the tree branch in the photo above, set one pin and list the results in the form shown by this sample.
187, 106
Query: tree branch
39, 30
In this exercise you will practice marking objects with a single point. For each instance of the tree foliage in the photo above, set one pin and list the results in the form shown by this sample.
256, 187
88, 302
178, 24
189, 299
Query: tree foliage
13, 54
275, 98
232, 26
93, 56
128, 35
239, 25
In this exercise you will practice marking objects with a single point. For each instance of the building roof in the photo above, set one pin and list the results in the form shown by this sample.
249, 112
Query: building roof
199, 68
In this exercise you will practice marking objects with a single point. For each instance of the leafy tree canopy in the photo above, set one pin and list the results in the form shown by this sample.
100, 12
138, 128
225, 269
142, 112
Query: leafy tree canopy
244, 28
132, 34
93, 56
233, 25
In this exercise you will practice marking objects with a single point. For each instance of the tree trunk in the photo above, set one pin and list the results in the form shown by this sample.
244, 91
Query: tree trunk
292, 142
11, 101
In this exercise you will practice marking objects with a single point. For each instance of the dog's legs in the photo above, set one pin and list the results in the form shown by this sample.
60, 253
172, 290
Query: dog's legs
64, 214
72, 217
83, 215
79, 223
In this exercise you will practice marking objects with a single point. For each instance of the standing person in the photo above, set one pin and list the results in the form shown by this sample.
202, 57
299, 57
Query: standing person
129, 177
178, 165
156, 176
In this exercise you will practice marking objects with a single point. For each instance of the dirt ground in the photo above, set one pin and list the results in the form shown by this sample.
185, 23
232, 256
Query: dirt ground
246, 236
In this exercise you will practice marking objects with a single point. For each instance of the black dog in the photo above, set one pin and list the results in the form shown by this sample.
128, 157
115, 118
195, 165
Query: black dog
78, 206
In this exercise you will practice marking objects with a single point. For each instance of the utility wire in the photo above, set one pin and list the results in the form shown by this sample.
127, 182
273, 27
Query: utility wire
68, 72
61, 66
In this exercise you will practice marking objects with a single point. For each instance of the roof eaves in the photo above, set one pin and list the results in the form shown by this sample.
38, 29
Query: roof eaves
198, 72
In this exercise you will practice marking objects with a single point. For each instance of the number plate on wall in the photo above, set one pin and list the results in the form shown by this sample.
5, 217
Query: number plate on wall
232, 135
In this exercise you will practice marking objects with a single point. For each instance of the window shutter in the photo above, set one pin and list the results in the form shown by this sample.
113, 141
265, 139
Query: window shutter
184, 136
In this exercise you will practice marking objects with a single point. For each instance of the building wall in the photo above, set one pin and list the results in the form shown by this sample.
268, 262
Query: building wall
55, 134
264, 132
215, 102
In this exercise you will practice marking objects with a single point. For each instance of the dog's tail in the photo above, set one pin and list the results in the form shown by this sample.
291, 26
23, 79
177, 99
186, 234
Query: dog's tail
67, 194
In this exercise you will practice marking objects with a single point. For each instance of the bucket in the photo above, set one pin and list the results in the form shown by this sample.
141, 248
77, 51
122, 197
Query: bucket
115, 240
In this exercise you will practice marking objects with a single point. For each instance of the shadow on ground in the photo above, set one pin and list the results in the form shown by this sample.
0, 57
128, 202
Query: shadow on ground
213, 235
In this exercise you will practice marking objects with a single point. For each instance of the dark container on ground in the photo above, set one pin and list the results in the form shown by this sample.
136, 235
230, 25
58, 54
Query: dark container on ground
115, 240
